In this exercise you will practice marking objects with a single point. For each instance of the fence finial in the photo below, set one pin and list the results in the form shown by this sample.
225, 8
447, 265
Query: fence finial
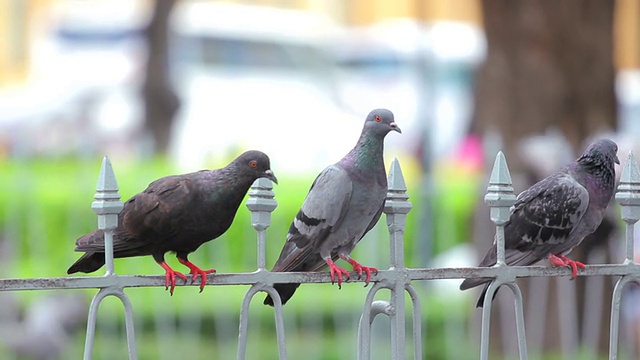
261, 203
628, 194
397, 191
396, 207
500, 195
500, 198
107, 205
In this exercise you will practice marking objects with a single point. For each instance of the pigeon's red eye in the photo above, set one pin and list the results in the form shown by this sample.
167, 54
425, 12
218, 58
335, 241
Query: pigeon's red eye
378, 119
253, 163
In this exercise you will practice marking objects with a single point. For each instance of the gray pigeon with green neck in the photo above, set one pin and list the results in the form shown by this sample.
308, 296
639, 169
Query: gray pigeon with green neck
345, 202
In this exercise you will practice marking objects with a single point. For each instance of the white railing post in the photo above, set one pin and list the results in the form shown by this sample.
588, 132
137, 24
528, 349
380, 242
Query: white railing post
107, 206
500, 198
628, 196
396, 208
261, 203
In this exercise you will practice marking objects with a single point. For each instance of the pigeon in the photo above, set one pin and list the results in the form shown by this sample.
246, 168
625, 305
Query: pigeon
554, 215
177, 213
345, 201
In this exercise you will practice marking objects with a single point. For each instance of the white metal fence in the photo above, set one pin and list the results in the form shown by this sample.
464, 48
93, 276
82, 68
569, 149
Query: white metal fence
398, 279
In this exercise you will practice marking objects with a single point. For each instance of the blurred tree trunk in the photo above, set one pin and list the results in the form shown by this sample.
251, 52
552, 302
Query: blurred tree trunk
160, 101
549, 63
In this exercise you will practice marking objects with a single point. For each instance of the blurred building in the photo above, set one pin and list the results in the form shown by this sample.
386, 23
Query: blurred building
15, 37
16, 34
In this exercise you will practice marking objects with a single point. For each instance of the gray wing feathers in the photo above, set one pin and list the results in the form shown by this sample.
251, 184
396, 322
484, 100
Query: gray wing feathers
326, 201
543, 220
547, 215
322, 210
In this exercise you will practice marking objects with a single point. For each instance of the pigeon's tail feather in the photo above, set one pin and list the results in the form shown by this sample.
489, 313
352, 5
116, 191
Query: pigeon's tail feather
483, 295
285, 291
89, 262
471, 283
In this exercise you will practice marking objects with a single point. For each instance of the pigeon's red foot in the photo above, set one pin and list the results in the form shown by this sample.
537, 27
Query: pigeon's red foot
170, 277
359, 268
561, 260
337, 272
195, 271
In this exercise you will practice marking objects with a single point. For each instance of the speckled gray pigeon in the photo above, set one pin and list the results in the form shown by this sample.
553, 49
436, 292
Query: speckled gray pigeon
345, 201
177, 213
554, 215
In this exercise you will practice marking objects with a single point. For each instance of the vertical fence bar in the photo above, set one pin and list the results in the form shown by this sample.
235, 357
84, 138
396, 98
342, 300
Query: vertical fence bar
500, 198
128, 323
396, 207
371, 309
107, 206
93, 315
628, 196
417, 323
520, 327
486, 320
615, 315
261, 203
592, 325
243, 331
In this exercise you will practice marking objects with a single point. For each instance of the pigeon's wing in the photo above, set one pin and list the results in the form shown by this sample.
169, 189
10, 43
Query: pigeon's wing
149, 212
91, 241
94, 241
542, 219
374, 219
158, 207
322, 210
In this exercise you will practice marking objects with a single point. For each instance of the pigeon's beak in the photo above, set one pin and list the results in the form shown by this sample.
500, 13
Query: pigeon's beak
617, 161
269, 175
395, 127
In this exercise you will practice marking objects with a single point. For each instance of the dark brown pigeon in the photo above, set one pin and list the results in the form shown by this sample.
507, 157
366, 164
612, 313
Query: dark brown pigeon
343, 204
177, 213
554, 215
